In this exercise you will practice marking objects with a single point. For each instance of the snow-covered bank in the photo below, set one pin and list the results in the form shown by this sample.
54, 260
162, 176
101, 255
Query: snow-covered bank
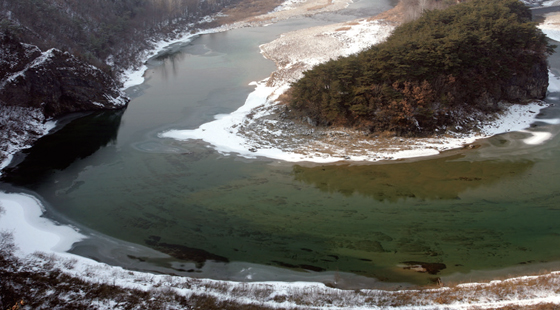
250, 131
31, 125
523, 291
41, 244
289, 9
551, 26
22, 216
259, 129
135, 76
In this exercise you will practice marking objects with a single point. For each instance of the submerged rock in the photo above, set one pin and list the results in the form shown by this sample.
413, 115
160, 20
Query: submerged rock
431, 268
178, 251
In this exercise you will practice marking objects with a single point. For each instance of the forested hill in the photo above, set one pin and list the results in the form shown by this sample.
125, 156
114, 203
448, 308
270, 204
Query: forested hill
102, 32
433, 73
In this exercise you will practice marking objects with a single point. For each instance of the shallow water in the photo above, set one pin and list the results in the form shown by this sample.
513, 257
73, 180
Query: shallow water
491, 208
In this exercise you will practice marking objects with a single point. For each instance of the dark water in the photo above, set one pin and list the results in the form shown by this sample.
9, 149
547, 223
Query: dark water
464, 215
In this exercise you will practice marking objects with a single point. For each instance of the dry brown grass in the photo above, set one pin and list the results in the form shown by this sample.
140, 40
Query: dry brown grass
395, 15
343, 28
34, 281
247, 10
319, 7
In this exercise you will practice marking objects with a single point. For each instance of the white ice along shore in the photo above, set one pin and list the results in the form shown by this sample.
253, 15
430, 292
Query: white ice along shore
21, 215
288, 9
42, 242
229, 133
37, 126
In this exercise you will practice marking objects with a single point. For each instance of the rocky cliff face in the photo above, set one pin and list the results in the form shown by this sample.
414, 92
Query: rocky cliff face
521, 87
55, 82
37, 86
528, 85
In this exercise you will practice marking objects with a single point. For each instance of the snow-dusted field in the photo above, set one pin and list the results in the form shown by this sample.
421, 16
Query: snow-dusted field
298, 51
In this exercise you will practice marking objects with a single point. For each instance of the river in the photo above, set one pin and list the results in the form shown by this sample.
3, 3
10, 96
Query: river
464, 215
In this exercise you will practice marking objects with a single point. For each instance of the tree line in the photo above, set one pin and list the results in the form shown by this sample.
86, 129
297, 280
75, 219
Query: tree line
430, 73
96, 30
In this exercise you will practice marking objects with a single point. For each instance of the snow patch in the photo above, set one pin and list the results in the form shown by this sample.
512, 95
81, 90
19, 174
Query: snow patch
536, 137
119, 101
45, 56
32, 232
515, 118
551, 31
21, 127
287, 5
110, 60
551, 24
546, 3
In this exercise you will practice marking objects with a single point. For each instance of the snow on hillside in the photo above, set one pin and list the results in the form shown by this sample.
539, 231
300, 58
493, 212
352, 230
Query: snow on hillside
20, 128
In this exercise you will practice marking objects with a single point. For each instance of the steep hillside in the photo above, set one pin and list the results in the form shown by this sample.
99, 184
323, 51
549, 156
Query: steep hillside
37, 86
102, 32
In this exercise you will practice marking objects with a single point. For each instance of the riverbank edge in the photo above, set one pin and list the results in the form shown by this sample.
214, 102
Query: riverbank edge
133, 76
260, 127
26, 209
42, 244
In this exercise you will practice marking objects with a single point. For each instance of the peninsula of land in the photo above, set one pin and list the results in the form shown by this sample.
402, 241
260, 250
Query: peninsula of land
263, 127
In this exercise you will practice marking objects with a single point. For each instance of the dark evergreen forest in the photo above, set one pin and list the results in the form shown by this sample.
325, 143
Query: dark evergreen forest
432, 73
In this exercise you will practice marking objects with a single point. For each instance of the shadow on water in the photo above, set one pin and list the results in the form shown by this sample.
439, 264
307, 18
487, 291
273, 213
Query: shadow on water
78, 139
442, 178
170, 58
168, 62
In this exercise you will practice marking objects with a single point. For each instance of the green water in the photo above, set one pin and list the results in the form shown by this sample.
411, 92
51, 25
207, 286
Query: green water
483, 209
